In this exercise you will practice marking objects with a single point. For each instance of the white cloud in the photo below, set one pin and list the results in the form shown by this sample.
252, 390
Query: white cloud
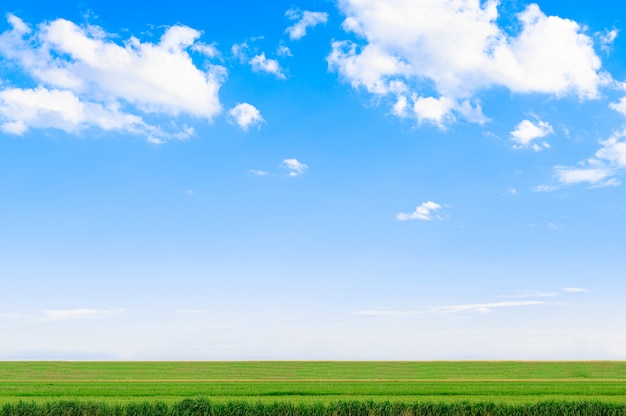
239, 51
606, 39
385, 313
283, 51
620, 106
575, 290
485, 307
423, 212
73, 314
246, 116
306, 19
531, 294
9, 315
19, 27
21, 109
432, 109
295, 168
207, 50
474, 307
526, 132
554, 226
86, 79
597, 171
545, 188
457, 48
258, 172
591, 175
260, 63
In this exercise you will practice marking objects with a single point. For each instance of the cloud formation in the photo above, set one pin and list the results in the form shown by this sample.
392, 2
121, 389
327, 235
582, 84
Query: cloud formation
597, 171
257, 172
527, 132
295, 168
474, 307
87, 80
575, 290
434, 57
305, 20
425, 212
260, 63
73, 314
246, 116
485, 307
530, 294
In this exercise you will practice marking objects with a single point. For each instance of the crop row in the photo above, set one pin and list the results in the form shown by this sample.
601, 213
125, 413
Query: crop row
203, 407
28, 390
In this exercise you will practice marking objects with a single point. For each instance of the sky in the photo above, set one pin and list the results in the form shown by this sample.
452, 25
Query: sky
312, 180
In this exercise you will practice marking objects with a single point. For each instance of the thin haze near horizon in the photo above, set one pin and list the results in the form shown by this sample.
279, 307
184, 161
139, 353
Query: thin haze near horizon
341, 180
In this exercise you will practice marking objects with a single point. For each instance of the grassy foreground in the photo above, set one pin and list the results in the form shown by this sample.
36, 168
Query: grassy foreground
200, 407
311, 383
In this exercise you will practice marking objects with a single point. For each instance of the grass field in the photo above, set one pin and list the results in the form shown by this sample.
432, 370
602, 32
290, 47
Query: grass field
312, 382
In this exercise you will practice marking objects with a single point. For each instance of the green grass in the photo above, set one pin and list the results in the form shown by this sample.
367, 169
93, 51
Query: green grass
343, 408
314, 382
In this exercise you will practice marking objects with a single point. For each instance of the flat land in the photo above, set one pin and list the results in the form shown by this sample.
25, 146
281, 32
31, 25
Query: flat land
301, 381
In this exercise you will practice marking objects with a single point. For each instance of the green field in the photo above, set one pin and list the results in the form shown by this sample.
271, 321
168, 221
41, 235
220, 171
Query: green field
312, 382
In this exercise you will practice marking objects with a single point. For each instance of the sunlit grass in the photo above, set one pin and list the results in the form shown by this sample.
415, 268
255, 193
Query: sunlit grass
128, 386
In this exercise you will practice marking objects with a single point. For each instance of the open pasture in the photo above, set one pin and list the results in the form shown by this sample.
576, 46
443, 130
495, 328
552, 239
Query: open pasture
307, 382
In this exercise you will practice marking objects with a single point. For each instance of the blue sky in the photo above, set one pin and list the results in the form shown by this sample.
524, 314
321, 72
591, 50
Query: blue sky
345, 179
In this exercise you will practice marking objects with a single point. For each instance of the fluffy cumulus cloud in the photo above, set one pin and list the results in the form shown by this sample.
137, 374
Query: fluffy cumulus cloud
304, 20
294, 167
40, 107
260, 63
425, 212
246, 116
85, 79
526, 133
433, 57
598, 171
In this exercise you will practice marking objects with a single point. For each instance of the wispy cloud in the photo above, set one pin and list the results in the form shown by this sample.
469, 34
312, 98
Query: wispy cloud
258, 172
606, 39
53, 315
575, 290
75, 314
485, 307
424, 212
9, 315
448, 309
283, 51
305, 19
599, 171
260, 63
295, 168
530, 294
386, 313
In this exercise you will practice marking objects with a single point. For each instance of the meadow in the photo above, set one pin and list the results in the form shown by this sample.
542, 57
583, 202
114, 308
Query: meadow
302, 388
298, 381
